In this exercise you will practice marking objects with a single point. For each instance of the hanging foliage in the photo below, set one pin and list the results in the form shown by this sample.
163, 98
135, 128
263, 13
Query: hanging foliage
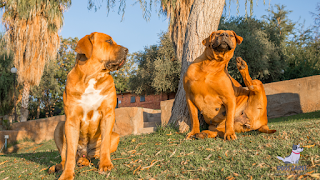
32, 34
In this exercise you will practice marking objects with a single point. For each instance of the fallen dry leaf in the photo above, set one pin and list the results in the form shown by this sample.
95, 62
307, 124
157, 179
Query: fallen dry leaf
133, 140
235, 174
226, 153
208, 149
4, 162
131, 152
173, 153
290, 176
157, 153
89, 170
261, 165
139, 145
120, 158
137, 169
309, 172
207, 158
189, 153
43, 169
152, 164
315, 175
309, 146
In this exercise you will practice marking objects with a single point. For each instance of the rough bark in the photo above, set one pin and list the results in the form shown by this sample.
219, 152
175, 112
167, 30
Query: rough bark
38, 108
24, 102
204, 18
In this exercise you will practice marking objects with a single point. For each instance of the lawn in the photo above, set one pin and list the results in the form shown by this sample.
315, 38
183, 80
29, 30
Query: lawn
167, 155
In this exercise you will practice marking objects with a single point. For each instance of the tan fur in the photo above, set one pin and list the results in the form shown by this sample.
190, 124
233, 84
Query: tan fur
89, 104
210, 89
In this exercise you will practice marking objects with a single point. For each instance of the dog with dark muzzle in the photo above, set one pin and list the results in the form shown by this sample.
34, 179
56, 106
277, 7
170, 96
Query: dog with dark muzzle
226, 106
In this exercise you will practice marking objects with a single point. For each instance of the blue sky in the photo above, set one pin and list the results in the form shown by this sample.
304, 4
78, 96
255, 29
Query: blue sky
135, 33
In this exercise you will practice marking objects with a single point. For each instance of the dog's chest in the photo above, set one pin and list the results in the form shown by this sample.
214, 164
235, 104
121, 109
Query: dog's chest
91, 99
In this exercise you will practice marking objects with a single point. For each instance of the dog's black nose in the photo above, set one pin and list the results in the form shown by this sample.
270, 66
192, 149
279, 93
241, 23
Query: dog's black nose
224, 34
125, 50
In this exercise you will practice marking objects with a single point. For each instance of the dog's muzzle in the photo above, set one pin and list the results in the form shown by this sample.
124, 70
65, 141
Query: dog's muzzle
116, 65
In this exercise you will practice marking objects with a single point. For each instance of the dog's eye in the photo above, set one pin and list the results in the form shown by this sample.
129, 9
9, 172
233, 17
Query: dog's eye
109, 41
231, 35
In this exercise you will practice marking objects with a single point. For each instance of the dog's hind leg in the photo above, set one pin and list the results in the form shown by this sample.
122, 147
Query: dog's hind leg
60, 140
265, 129
256, 109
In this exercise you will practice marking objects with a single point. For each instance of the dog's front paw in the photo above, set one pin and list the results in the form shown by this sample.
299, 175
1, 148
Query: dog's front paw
67, 175
191, 135
241, 64
230, 135
105, 167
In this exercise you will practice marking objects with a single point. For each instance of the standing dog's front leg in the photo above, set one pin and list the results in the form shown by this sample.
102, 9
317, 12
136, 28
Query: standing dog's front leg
72, 128
106, 125
230, 105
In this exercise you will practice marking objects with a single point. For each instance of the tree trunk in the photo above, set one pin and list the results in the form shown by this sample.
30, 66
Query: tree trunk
25, 102
204, 18
38, 108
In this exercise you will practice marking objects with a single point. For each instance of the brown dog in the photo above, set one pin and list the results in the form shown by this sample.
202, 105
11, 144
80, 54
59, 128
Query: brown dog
225, 105
89, 103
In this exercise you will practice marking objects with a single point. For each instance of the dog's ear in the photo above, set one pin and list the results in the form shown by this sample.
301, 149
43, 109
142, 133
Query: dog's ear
208, 39
239, 39
85, 46
294, 147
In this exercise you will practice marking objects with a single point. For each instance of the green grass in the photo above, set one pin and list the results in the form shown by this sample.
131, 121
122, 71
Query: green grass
253, 154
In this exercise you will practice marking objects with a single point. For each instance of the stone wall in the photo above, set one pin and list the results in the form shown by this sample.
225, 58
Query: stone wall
293, 96
152, 101
166, 107
128, 120
36, 130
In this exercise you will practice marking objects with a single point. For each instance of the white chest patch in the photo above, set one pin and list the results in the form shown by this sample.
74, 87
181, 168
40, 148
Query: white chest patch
91, 100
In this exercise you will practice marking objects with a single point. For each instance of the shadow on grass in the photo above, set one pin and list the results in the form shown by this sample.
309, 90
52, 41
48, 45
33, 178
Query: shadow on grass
298, 117
44, 158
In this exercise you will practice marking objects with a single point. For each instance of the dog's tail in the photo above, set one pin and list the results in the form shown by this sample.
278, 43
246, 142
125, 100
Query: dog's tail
280, 158
265, 129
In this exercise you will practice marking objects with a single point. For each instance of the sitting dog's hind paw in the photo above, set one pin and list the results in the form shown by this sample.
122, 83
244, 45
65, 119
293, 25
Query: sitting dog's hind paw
83, 162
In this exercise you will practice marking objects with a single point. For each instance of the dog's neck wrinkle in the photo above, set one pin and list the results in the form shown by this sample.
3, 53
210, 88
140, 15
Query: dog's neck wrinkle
87, 71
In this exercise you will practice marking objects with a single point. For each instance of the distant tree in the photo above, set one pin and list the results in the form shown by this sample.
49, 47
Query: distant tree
167, 67
47, 98
32, 34
258, 49
303, 51
278, 24
317, 21
158, 69
122, 76
6, 80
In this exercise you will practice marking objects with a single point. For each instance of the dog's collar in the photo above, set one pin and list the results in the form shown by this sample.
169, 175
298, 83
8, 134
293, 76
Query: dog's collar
295, 152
